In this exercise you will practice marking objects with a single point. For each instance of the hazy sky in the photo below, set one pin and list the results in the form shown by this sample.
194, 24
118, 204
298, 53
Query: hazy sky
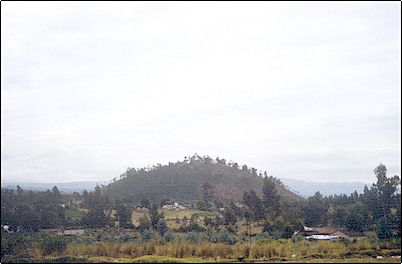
303, 90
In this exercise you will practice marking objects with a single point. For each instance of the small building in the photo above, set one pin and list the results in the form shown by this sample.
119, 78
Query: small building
176, 206
142, 209
239, 205
74, 232
10, 228
325, 230
7, 228
328, 233
308, 229
340, 234
168, 207
321, 237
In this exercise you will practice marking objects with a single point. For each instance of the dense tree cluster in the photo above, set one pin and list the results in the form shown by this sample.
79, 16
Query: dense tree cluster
99, 205
32, 210
377, 208
189, 180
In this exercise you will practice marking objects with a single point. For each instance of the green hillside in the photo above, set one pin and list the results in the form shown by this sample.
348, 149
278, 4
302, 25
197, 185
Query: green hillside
182, 181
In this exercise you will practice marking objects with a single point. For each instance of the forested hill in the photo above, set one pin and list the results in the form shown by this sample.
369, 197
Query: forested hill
182, 181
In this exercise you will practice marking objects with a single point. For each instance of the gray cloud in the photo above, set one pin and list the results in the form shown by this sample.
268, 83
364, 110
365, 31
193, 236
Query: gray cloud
309, 91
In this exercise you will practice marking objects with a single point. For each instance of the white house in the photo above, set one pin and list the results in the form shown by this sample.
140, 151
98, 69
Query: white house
74, 232
176, 206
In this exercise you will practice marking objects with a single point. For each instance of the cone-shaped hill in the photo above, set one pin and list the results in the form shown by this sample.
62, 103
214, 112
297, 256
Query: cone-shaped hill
182, 181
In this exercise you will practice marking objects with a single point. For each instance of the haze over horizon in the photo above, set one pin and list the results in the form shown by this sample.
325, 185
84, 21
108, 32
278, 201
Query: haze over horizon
303, 90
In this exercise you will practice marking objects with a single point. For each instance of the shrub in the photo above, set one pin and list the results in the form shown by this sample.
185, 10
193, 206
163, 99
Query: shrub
224, 236
147, 235
169, 237
13, 244
50, 245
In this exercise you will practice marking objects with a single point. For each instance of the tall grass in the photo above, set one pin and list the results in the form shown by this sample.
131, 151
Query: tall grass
275, 249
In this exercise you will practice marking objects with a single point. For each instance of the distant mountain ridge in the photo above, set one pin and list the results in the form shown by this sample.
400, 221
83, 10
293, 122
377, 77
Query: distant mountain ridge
309, 188
65, 187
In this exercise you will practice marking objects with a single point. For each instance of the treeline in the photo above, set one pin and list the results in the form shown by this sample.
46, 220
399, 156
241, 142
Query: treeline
32, 210
377, 208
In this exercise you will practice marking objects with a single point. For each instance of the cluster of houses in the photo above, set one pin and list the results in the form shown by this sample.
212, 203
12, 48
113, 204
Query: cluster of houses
326, 233
10, 229
71, 232
174, 207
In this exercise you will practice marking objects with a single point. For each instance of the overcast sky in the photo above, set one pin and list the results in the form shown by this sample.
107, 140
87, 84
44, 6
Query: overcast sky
310, 91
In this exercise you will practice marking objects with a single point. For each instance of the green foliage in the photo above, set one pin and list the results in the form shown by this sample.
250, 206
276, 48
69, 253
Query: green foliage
316, 210
123, 213
12, 244
224, 236
148, 234
154, 215
195, 237
384, 228
207, 191
278, 229
270, 197
32, 210
99, 209
53, 244
145, 223
229, 218
162, 227
254, 203
169, 236
184, 180
218, 221
208, 221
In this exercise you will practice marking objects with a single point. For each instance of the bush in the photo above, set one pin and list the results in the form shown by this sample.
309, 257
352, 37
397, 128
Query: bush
129, 226
145, 223
147, 235
384, 228
169, 236
195, 237
13, 244
224, 236
50, 245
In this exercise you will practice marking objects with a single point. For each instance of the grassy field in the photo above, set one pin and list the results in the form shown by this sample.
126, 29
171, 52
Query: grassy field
170, 216
74, 214
160, 251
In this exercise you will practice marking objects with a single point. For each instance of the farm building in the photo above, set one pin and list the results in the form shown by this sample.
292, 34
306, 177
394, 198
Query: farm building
174, 206
74, 232
321, 237
340, 234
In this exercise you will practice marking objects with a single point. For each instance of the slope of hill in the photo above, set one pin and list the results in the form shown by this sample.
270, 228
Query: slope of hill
182, 181
308, 188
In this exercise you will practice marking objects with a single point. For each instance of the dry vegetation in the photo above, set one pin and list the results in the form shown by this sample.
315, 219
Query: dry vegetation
273, 250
